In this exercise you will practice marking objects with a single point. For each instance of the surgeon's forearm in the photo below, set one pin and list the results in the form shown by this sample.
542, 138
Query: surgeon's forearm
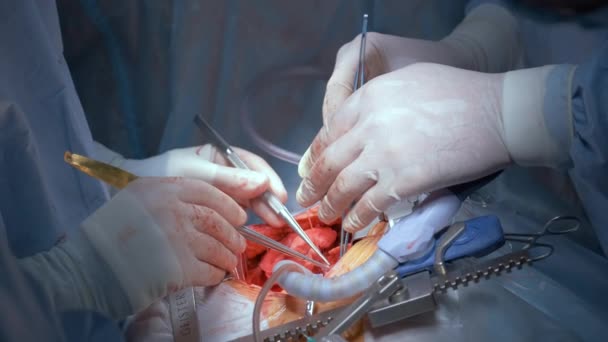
77, 279
537, 115
486, 40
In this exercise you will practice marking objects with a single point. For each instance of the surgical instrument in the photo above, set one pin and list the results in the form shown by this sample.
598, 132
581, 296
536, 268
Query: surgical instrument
267, 242
268, 197
411, 288
558, 225
107, 173
384, 287
120, 178
359, 80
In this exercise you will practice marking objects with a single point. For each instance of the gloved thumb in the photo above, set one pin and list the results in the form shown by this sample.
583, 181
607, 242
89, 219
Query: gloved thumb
339, 88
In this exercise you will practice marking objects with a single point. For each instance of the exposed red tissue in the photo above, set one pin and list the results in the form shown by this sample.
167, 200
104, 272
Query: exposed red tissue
323, 238
277, 234
261, 261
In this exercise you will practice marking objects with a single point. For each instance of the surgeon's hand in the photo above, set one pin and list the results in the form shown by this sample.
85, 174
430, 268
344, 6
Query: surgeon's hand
486, 40
154, 237
383, 54
426, 127
207, 164
194, 220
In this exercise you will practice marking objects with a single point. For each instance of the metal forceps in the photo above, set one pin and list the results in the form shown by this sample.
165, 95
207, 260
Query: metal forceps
558, 225
267, 242
358, 83
268, 197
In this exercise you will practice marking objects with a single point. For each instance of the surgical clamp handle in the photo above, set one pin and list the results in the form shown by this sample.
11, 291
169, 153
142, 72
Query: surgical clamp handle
388, 285
531, 239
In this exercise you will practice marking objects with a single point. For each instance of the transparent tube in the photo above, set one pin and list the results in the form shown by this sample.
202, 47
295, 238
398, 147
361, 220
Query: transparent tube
265, 80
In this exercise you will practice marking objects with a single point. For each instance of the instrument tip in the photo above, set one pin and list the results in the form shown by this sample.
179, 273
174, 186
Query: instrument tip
325, 260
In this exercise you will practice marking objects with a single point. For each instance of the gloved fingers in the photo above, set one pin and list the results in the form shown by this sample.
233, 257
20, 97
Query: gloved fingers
341, 83
276, 187
208, 221
336, 92
238, 183
375, 201
206, 164
258, 164
334, 129
204, 274
349, 185
197, 192
312, 152
213, 252
326, 168
266, 213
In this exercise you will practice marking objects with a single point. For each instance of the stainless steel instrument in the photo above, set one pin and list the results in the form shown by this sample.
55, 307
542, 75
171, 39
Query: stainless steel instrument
391, 298
268, 197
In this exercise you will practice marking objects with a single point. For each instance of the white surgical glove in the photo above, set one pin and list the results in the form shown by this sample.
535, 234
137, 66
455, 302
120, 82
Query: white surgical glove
384, 53
207, 164
154, 237
429, 126
486, 41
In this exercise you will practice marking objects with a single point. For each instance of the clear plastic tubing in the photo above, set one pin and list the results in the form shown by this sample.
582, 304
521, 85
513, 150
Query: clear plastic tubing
266, 79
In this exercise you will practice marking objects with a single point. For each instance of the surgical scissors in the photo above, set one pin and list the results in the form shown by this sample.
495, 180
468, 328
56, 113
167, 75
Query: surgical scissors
358, 83
268, 197
558, 225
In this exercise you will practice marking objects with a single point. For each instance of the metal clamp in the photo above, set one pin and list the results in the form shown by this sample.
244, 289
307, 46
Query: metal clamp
310, 308
446, 240
414, 297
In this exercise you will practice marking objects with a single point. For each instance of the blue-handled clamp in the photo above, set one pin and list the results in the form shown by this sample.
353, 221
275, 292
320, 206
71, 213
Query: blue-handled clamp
408, 290
480, 236
421, 278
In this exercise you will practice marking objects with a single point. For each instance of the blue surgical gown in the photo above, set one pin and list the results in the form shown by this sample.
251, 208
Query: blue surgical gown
589, 150
582, 40
42, 199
